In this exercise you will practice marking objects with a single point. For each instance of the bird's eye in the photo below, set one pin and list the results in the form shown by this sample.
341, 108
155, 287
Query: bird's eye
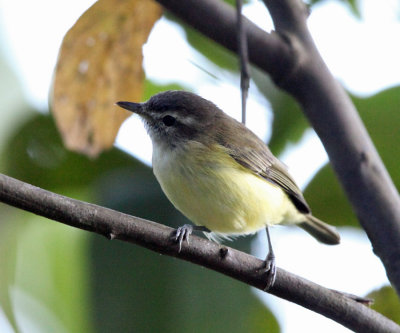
168, 120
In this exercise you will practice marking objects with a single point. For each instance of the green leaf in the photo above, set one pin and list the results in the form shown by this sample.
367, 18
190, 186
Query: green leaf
210, 49
51, 281
328, 201
35, 154
8, 259
12, 103
155, 293
354, 6
381, 117
12, 112
289, 122
233, 2
386, 302
151, 88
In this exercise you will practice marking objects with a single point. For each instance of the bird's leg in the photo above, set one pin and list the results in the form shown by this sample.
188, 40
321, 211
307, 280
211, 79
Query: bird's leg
184, 232
270, 263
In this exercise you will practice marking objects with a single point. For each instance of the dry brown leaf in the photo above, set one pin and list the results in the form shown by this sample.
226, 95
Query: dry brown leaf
100, 63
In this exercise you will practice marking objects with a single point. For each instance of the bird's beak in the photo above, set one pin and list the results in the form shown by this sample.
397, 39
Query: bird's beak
133, 107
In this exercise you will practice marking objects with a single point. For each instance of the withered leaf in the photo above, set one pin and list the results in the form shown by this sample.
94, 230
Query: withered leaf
100, 63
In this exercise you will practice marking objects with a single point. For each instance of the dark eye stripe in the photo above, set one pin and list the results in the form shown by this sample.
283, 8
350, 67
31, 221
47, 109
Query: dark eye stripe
168, 120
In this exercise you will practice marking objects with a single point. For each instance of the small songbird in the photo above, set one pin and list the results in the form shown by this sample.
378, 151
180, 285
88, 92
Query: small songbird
219, 174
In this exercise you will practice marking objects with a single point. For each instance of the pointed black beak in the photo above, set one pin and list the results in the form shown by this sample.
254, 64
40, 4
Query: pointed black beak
133, 107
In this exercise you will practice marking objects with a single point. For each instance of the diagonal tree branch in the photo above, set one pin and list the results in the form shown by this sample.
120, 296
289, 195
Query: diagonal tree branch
289, 55
157, 237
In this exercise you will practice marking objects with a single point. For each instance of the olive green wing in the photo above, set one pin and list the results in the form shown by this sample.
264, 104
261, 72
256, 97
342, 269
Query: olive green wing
252, 153
278, 174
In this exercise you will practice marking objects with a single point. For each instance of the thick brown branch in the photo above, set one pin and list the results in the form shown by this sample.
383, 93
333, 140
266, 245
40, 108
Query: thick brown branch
294, 63
288, 15
228, 261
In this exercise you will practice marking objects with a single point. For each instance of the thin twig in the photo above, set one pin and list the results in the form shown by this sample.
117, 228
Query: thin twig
157, 237
244, 58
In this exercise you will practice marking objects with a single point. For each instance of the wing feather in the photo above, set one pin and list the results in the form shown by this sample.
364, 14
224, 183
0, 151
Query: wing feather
252, 153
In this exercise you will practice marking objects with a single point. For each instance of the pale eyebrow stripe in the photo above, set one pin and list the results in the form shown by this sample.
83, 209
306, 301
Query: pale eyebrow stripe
187, 120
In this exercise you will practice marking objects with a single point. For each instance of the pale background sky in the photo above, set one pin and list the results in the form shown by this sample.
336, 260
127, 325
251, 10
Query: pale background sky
363, 55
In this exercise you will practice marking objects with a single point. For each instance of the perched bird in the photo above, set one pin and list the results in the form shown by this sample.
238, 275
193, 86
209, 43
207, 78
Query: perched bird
219, 174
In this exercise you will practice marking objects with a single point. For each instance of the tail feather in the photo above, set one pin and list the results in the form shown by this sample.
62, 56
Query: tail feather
320, 230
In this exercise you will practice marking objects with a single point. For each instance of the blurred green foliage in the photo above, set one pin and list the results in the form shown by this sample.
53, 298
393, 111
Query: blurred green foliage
289, 123
386, 302
211, 50
381, 116
354, 5
58, 279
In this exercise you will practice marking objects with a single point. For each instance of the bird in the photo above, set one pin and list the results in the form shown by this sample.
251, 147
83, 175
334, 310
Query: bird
221, 175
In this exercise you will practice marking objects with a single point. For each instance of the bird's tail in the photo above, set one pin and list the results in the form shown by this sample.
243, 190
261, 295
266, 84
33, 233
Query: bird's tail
320, 230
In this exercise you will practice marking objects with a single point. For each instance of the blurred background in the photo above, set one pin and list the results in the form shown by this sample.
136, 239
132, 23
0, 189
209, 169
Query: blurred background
54, 278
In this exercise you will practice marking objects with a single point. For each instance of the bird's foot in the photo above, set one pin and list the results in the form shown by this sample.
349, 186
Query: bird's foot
270, 270
183, 233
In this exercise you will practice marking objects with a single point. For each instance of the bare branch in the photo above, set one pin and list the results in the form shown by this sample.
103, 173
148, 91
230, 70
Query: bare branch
288, 15
156, 237
289, 55
243, 58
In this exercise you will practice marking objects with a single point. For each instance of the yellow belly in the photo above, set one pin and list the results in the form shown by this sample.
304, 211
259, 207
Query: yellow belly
212, 189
